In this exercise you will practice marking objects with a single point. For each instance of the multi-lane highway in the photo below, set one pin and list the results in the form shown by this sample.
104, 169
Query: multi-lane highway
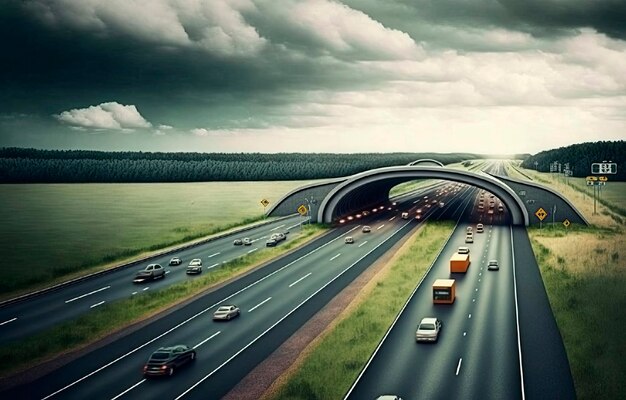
33, 314
275, 301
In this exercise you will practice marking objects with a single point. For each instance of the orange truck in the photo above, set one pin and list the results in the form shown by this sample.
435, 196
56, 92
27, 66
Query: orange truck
443, 291
459, 262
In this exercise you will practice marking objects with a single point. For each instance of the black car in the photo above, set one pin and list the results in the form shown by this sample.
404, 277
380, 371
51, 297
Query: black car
166, 360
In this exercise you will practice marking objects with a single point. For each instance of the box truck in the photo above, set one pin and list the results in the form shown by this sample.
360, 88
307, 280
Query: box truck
443, 291
459, 262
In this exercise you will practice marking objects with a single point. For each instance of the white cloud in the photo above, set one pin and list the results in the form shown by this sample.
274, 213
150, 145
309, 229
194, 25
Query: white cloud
111, 115
200, 132
215, 26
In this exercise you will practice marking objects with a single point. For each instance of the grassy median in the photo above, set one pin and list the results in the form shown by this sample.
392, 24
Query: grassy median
330, 364
112, 317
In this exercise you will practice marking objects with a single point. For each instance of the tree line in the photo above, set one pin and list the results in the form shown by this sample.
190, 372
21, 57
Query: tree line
581, 156
21, 165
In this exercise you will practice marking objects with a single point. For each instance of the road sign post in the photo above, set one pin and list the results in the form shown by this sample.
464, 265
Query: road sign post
541, 214
264, 203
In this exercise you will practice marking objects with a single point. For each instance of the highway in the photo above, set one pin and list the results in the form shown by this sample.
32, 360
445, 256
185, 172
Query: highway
499, 339
275, 301
31, 315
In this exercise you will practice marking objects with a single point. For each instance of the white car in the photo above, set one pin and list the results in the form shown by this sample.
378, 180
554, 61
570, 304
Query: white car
469, 238
366, 229
194, 267
428, 330
226, 312
349, 240
480, 228
492, 265
463, 250
176, 261
246, 241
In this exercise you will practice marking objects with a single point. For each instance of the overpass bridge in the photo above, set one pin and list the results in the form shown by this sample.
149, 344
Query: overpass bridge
329, 199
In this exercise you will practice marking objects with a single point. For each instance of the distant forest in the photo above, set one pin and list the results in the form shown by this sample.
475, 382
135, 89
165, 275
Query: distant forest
581, 156
19, 165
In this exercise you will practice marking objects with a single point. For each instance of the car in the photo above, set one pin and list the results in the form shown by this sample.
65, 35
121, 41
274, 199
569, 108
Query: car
365, 213
247, 241
463, 250
226, 312
166, 360
366, 229
500, 209
271, 242
469, 238
428, 205
151, 272
480, 228
490, 211
469, 229
349, 240
441, 204
405, 215
194, 267
428, 330
350, 217
238, 242
492, 265
388, 397
279, 236
176, 261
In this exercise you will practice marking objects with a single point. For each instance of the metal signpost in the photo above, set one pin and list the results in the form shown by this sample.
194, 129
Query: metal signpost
541, 214
600, 168
264, 203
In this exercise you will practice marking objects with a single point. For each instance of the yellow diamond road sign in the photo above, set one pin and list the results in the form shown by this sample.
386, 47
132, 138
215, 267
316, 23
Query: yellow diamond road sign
541, 214
566, 223
265, 202
302, 209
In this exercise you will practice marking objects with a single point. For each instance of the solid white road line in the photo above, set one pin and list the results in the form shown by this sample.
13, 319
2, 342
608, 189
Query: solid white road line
146, 288
213, 266
278, 227
519, 343
133, 293
458, 367
213, 255
392, 218
334, 257
298, 281
87, 294
380, 226
8, 321
260, 304
207, 339
363, 244
97, 304
470, 316
129, 389
92, 373
253, 250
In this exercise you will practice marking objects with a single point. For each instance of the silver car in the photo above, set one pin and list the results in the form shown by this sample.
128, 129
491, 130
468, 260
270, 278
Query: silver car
226, 312
194, 267
428, 330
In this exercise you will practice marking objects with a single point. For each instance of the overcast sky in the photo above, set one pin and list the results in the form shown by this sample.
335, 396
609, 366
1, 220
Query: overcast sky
484, 76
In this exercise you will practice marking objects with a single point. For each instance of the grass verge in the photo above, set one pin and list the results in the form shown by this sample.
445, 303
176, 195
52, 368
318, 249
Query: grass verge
583, 271
76, 334
331, 363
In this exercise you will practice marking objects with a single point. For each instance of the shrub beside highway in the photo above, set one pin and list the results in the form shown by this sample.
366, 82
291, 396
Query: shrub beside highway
330, 364
113, 317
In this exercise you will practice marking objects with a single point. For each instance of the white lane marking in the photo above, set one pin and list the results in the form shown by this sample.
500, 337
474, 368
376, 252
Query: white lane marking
380, 226
292, 311
470, 316
260, 304
458, 367
97, 304
519, 344
278, 227
213, 266
8, 321
213, 255
464, 333
362, 244
334, 257
207, 339
473, 300
87, 294
146, 288
69, 385
253, 250
392, 218
167, 272
416, 201
134, 293
298, 281
129, 389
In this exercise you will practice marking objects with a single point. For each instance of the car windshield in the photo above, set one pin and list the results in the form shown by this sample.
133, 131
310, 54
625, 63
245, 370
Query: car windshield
160, 356
426, 327
223, 309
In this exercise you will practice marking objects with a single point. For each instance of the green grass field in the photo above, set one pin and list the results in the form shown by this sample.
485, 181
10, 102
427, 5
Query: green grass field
58, 230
